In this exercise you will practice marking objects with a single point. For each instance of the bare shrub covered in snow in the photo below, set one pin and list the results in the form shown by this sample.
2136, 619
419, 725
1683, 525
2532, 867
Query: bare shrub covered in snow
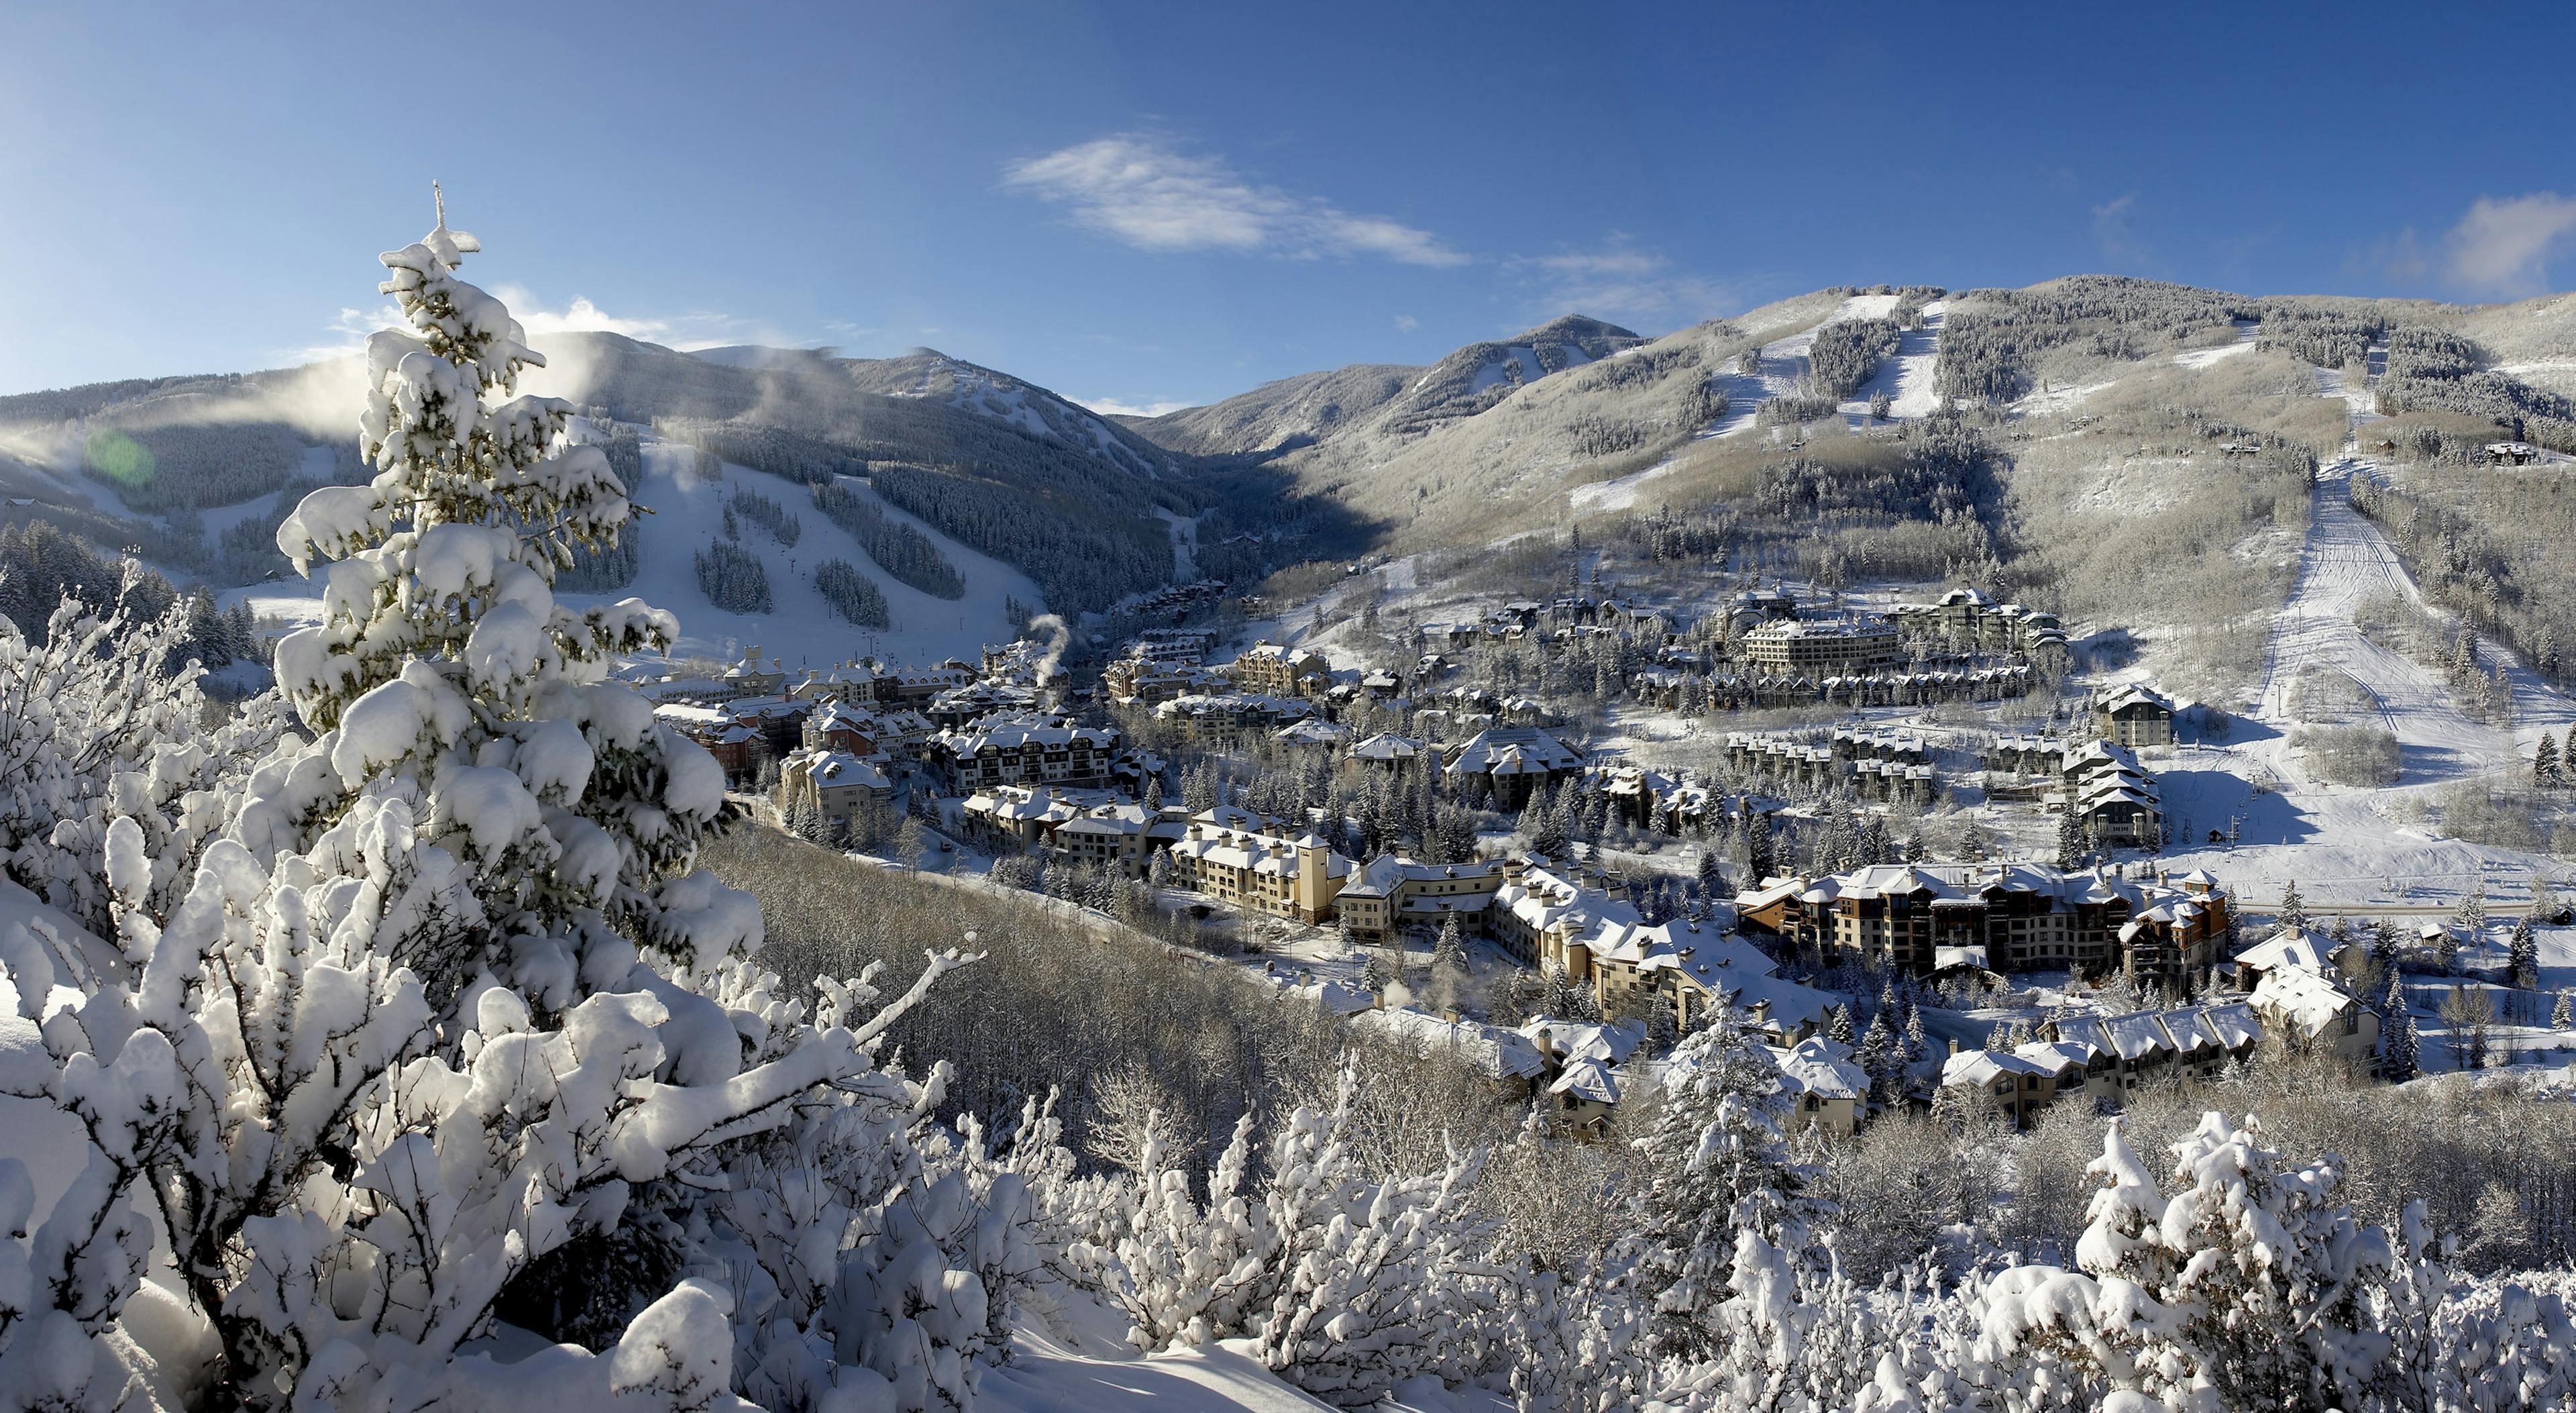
2364, 755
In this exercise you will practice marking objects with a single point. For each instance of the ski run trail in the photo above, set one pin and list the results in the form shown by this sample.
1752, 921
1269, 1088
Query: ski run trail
2348, 844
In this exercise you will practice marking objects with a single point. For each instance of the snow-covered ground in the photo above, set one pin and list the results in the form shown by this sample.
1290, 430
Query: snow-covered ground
802, 629
2246, 332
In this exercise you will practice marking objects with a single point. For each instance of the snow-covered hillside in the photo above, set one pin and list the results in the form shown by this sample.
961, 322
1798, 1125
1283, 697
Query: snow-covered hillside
1906, 377
932, 376
802, 628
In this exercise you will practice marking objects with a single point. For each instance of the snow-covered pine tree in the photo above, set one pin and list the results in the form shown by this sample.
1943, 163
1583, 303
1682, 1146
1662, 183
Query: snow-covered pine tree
2563, 1015
1879, 1057
2522, 966
1561, 997
2254, 1275
398, 1039
1449, 954
2399, 1046
1713, 1165
2544, 761
1759, 857
2293, 913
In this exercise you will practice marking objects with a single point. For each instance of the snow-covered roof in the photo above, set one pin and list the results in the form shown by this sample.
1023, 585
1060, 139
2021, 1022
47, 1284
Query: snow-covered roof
2302, 999
1256, 853
840, 769
1314, 731
2057, 1056
1822, 1067
1984, 1067
2291, 947
1586, 1040
1017, 732
1490, 1050
1588, 1079
1507, 749
1387, 746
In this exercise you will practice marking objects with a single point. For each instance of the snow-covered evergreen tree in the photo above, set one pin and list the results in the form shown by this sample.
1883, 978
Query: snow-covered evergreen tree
2522, 964
2398, 1042
1713, 1165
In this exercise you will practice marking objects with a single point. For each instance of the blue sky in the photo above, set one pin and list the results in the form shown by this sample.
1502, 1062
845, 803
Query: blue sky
1143, 205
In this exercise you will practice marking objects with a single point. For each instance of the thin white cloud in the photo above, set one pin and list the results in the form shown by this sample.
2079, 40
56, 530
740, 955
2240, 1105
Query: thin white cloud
1120, 407
1406, 323
1629, 284
1145, 192
346, 334
2504, 246
2115, 231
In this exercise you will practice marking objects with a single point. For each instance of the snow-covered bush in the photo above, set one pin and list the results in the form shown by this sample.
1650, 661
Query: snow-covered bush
99, 720
1344, 1283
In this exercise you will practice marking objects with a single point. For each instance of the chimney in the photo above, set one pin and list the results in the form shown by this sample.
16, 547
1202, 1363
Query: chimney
1954, 1045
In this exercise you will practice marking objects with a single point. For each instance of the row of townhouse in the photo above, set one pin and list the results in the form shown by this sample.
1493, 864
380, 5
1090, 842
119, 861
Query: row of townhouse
1901, 773
2022, 754
1025, 749
1897, 747
1871, 689
1923, 918
869, 682
2106, 1060
1970, 618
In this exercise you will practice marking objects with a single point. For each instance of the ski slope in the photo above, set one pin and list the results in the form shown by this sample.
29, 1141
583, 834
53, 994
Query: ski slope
801, 629
2343, 843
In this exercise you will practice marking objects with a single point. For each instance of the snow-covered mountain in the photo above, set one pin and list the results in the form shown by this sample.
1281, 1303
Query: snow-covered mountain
1395, 400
